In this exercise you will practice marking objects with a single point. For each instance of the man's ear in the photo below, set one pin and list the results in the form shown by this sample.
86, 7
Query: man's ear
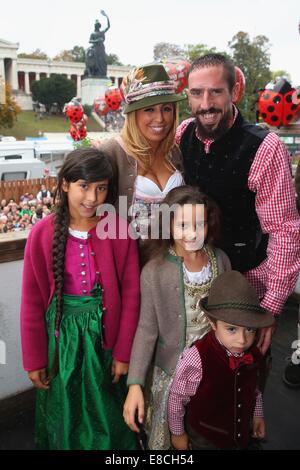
235, 92
65, 185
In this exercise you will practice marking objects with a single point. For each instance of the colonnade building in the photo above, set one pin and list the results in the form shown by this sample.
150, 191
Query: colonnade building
20, 73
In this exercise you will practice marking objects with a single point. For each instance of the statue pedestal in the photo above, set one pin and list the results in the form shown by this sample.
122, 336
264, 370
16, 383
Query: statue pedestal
92, 88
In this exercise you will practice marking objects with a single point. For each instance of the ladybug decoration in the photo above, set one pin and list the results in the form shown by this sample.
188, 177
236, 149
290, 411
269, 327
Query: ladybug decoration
100, 106
240, 79
78, 132
113, 98
74, 110
177, 71
276, 106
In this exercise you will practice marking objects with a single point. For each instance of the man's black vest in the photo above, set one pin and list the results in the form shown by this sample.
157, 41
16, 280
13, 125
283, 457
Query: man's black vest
223, 175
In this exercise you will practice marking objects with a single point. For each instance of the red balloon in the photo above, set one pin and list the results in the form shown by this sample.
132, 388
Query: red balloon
177, 71
74, 111
240, 79
278, 107
78, 131
100, 106
113, 98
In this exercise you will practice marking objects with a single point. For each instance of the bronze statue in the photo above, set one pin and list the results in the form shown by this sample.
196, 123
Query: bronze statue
96, 65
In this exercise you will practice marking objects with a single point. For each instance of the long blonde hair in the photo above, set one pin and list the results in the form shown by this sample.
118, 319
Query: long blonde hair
138, 147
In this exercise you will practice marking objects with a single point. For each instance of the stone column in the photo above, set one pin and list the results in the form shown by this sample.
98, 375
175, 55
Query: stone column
14, 75
27, 85
37, 76
69, 77
78, 86
2, 69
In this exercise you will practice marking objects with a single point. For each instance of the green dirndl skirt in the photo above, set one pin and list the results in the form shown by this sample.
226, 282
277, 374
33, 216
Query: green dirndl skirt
82, 409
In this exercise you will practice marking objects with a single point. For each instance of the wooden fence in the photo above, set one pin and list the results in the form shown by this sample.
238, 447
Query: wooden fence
15, 189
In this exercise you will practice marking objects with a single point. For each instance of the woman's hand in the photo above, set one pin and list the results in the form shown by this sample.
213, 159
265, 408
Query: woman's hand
117, 369
134, 403
39, 379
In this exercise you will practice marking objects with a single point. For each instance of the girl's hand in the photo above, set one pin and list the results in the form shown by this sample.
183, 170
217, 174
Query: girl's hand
134, 403
180, 442
117, 369
39, 379
259, 428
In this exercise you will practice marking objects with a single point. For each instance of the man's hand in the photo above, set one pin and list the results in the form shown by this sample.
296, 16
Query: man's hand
264, 338
117, 369
39, 379
180, 442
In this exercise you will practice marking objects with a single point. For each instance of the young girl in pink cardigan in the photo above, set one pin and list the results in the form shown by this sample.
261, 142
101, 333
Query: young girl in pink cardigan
79, 312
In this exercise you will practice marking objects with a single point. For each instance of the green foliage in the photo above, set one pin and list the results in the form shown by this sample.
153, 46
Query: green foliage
163, 50
8, 111
113, 59
190, 52
280, 73
77, 54
56, 89
253, 58
194, 51
37, 54
28, 124
83, 143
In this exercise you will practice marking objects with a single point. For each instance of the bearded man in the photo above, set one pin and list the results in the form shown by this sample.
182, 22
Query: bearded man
247, 170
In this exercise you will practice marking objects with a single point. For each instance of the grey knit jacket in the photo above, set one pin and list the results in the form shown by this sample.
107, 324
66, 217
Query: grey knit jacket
161, 331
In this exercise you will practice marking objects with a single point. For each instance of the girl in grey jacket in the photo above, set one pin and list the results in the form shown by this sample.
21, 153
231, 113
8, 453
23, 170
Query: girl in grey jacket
179, 274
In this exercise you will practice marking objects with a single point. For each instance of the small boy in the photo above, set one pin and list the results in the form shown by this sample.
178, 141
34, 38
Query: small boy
214, 397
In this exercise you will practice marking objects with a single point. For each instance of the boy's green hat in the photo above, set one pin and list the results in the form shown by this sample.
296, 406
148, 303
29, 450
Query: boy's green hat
147, 86
232, 300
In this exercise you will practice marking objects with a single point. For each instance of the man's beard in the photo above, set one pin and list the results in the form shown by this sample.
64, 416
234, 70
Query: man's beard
214, 132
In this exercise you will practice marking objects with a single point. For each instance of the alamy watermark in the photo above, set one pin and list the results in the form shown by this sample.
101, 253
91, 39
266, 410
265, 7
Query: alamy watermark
295, 358
161, 221
2, 352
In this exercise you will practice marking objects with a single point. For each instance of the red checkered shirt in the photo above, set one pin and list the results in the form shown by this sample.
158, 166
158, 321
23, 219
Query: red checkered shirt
275, 203
187, 379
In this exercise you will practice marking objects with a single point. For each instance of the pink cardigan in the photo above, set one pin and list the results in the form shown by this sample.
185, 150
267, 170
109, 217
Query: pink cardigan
118, 264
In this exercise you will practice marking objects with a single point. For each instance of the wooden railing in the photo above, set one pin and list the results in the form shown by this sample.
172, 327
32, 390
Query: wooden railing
15, 189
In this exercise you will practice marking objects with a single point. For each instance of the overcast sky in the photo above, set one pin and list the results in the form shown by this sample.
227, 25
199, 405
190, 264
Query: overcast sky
136, 25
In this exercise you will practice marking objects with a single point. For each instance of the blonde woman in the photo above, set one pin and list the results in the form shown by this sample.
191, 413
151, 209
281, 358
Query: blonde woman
147, 161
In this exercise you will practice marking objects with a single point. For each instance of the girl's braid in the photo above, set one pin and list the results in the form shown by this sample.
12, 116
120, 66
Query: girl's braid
61, 225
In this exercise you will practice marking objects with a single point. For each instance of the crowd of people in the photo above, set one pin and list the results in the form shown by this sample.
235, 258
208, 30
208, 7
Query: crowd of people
16, 216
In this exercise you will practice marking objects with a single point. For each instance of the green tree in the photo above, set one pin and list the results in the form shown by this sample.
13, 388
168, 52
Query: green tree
77, 54
163, 50
37, 54
280, 73
9, 110
253, 58
193, 51
113, 59
56, 89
